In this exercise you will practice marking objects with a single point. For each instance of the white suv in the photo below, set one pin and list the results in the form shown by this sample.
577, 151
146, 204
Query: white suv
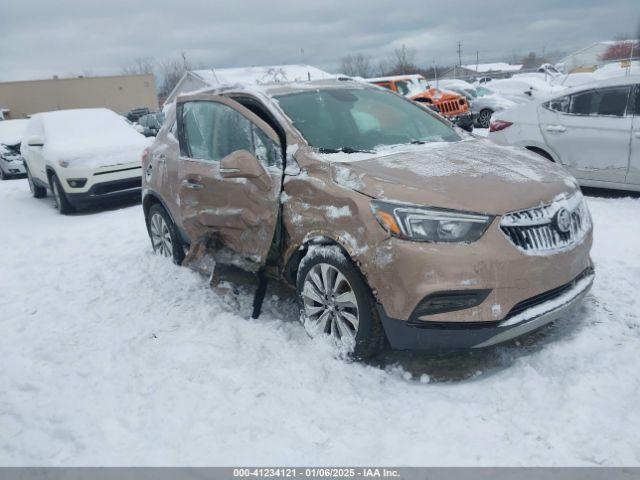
83, 156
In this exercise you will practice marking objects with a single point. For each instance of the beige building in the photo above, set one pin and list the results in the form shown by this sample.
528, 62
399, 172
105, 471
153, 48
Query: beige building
119, 93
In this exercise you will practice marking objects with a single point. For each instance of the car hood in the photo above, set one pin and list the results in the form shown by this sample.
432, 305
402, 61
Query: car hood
96, 155
471, 175
495, 102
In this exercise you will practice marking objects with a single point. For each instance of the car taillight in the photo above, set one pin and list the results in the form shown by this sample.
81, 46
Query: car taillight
498, 125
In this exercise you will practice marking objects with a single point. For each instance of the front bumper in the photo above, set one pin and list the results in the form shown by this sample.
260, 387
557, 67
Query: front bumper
560, 303
105, 192
13, 168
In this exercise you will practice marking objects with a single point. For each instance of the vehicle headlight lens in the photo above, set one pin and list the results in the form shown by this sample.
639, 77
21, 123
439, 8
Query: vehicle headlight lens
423, 224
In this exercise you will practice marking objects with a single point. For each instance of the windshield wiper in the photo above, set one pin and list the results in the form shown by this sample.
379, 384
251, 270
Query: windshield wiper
343, 150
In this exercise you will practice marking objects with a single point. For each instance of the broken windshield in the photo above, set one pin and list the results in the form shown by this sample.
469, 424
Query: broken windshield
361, 119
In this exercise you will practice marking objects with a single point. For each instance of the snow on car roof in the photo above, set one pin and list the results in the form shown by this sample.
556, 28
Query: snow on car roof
493, 67
413, 76
11, 131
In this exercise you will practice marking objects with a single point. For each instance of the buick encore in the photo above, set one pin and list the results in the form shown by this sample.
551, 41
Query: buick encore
392, 224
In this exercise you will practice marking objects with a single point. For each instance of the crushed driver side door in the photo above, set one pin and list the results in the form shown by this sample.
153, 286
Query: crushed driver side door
235, 219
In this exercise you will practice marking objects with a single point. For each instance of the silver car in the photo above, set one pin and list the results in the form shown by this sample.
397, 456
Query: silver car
11, 163
483, 101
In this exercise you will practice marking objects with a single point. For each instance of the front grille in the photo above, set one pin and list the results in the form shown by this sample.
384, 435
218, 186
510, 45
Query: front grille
117, 186
450, 106
548, 295
537, 230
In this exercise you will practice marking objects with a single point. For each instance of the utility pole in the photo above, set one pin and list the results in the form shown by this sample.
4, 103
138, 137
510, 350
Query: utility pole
459, 53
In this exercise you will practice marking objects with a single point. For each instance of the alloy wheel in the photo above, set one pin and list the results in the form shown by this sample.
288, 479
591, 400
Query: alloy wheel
484, 119
330, 305
160, 235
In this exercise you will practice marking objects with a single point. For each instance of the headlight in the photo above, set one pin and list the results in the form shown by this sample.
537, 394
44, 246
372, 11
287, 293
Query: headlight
422, 224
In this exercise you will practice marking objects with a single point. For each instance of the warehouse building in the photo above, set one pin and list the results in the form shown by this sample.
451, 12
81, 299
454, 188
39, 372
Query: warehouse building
119, 93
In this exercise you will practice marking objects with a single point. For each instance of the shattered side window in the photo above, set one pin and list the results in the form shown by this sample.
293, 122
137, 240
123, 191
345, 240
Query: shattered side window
233, 132
266, 150
198, 123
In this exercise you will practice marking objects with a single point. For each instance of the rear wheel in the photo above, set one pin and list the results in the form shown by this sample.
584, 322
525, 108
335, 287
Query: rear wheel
163, 234
59, 196
336, 302
484, 118
36, 191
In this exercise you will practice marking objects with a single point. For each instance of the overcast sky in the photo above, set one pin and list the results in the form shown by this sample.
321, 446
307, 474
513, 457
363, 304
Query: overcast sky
42, 38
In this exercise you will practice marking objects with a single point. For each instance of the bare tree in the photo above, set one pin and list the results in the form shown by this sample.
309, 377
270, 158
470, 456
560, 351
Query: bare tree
357, 65
402, 61
140, 66
171, 71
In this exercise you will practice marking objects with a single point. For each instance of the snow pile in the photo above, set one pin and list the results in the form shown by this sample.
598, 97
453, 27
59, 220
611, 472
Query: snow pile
113, 356
11, 131
93, 137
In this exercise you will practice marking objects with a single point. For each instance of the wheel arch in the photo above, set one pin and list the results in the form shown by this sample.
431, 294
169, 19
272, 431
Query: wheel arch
150, 198
298, 252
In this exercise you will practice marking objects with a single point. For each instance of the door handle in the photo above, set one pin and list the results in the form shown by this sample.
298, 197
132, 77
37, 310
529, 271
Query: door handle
556, 128
192, 184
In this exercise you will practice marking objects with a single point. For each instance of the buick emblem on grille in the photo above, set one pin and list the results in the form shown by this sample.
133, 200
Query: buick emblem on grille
563, 220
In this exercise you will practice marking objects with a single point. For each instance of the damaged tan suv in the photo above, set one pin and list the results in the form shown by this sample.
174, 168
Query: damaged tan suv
393, 225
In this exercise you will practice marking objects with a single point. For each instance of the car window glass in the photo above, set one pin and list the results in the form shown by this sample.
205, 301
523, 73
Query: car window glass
605, 101
266, 150
559, 104
403, 87
233, 132
361, 119
197, 123
637, 100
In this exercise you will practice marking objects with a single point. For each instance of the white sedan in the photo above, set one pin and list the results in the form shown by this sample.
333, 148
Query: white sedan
593, 130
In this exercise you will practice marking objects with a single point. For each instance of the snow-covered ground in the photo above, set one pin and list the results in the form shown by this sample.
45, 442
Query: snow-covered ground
113, 356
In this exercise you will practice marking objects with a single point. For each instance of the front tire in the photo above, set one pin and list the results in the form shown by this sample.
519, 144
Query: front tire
59, 196
336, 301
36, 191
163, 234
484, 118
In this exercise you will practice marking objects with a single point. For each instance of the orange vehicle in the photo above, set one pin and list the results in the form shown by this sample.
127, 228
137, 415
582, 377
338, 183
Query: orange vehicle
448, 104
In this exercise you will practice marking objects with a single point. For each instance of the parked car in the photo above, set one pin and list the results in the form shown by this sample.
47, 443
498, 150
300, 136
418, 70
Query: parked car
136, 113
524, 89
593, 130
151, 123
482, 101
452, 106
83, 156
11, 164
374, 208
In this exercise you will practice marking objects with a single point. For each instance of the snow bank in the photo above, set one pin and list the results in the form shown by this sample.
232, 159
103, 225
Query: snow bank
113, 356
